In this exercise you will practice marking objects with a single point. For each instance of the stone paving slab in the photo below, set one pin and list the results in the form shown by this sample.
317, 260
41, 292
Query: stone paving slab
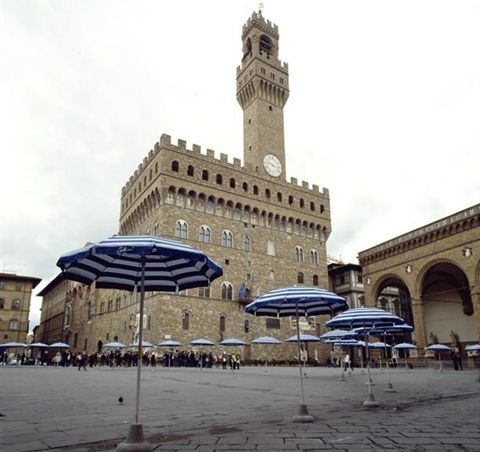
215, 410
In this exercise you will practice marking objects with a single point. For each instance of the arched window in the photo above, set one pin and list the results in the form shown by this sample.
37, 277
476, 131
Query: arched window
2, 303
205, 174
13, 326
255, 190
312, 206
300, 278
181, 229
314, 257
204, 234
227, 239
16, 305
315, 280
175, 166
279, 197
246, 243
185, 320
267, 193
290, 200
245, 186
190, 170
222, 322
302, 203
227, 291
299, 254
219, 179
232, 183
322, 208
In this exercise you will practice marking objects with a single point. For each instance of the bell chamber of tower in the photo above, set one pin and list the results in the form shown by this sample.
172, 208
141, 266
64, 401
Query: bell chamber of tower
262, 92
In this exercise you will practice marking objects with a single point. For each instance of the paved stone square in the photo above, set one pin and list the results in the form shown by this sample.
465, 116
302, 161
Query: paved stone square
185, 409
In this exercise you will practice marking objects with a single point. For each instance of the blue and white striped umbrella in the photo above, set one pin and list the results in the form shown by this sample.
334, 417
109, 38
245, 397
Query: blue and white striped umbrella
59, 345
343, 342
364, 317
169, 344
379, 345
336, 334
439, 348
307, 301
12, 345
303, 338
266, 340
117, 263
405, 346
143, 263
38, 345
114, 344
472, 348
389, 330
145, 344
298, 301
233, 342
202, 342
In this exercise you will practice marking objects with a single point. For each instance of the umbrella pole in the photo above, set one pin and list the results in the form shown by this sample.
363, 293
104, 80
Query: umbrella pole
389, 387
302, 415
370, 401
135, 441
140, 343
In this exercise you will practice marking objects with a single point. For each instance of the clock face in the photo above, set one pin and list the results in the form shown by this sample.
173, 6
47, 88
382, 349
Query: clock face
272, 165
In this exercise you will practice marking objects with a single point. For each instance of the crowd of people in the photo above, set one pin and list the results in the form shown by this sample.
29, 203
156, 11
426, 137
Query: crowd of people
128, 358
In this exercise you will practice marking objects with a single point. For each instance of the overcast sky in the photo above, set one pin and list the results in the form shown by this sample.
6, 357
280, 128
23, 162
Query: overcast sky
384, 110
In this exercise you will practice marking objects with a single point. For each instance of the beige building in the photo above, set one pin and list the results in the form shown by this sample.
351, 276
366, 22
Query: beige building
436, 271
264, 230
15, 298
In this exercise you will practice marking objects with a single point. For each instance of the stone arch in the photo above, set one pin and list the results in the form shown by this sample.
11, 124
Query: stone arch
395, 289
445, 290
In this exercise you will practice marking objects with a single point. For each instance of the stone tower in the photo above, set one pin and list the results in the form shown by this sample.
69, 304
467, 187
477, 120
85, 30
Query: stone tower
262, 91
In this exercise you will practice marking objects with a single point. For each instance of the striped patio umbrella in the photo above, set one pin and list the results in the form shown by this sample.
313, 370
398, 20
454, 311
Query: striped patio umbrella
202, 342
233, 342
336, 334
169, 344
13, 345
405, 346
303, 338
59, 345
439, 348
267, 340
114, 344
38, 345
297, 301
367, 319
140, 263
472, 348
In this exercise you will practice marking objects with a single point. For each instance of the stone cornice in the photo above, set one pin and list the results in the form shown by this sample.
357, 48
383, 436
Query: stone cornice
445, 227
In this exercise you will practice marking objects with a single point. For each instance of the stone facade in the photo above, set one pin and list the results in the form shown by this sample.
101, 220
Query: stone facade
15, 297
266, 232
436, 269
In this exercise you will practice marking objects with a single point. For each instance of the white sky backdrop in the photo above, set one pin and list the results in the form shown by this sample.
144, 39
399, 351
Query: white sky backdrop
384, 110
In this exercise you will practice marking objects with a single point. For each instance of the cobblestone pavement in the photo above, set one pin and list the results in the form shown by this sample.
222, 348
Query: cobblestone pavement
222, 410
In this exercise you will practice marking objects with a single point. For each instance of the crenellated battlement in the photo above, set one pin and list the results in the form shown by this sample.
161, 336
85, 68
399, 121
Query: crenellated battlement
210, 156
257, 20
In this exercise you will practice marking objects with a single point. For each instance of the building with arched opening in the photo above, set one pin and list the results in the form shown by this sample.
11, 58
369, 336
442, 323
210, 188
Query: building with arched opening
435, 270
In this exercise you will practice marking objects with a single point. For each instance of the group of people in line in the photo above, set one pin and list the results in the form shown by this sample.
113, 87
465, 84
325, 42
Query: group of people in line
117, 358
